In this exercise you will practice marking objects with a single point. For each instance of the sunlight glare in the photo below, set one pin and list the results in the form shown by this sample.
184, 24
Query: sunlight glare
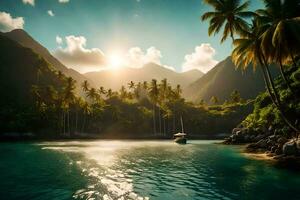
115, 61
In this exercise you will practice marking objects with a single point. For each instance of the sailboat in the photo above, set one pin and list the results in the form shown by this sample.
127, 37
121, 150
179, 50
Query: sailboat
180, 138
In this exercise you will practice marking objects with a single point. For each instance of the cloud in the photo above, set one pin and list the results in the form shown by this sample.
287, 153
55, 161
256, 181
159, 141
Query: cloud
8, 23
63, 1
59, 40
137, 58
76, 56
202, 59
30, 2
50, 13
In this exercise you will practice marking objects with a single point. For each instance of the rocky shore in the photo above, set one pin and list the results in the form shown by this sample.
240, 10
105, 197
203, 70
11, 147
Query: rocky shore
283, 149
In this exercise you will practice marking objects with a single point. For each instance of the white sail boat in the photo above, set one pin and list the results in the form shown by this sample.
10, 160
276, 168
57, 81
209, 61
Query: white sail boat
180, 138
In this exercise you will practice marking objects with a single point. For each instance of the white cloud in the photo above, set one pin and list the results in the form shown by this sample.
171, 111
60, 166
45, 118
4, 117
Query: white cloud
137, 58
30, 2
202, 59
63, 1
59, 40
8, 23
50, 12
76, 56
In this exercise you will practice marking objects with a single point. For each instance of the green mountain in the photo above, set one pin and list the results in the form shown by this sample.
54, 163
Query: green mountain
20, 69
23, 38
225, 78
115, 79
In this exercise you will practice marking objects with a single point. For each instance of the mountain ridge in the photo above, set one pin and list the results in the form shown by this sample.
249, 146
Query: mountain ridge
221, 80
111, 78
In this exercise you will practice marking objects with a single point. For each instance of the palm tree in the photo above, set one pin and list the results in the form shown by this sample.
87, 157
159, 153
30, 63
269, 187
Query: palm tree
137, 91
227, 13
86, 112
281, 41
131, 85
69, 97
92, 94
109, 93
248, 51
101, 91
85, 86
163, 86
153, 94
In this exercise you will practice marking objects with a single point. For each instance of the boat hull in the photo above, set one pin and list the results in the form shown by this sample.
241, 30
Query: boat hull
180, 140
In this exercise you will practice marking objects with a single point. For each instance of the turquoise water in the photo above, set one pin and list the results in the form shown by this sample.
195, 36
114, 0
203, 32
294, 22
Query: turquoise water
157, 170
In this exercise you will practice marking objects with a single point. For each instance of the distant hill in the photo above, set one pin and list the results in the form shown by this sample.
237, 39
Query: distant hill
23, 38
114, 79
20, 68
223, 79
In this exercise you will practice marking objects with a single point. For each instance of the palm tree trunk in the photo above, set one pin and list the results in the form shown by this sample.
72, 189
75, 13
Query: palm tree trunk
159, 120
154, 124
174, 118
164, 126
285, 78
83, 123
69, 132
76, 120
275, 98
64, 122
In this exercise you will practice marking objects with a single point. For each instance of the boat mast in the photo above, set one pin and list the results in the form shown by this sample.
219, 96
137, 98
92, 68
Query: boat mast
182, 131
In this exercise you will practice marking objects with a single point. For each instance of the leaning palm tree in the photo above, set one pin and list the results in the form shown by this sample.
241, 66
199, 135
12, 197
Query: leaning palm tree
227, 13
248, 51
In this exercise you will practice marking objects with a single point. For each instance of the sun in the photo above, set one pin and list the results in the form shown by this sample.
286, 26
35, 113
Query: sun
115, 61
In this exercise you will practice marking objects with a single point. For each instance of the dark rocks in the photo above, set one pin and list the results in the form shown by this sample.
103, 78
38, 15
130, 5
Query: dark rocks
290, 148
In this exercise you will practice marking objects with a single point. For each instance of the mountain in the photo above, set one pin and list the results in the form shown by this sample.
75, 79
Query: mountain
20, 69
223, 79
114, 79
23, 38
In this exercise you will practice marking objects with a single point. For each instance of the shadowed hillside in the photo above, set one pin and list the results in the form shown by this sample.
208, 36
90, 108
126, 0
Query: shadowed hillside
26, 40
18, 78
225, 78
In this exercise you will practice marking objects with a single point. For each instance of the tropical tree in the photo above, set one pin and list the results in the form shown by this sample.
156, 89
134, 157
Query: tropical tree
228, 13
153, 94
280, 40
92, 95
101, 91
109, 93
85, 86
69, 97
248, 51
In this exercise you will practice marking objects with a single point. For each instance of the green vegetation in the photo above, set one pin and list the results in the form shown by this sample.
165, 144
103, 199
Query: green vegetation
273, 37
40, 100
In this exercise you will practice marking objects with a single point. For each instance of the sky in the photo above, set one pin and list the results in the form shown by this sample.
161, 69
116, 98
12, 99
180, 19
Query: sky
90, 35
